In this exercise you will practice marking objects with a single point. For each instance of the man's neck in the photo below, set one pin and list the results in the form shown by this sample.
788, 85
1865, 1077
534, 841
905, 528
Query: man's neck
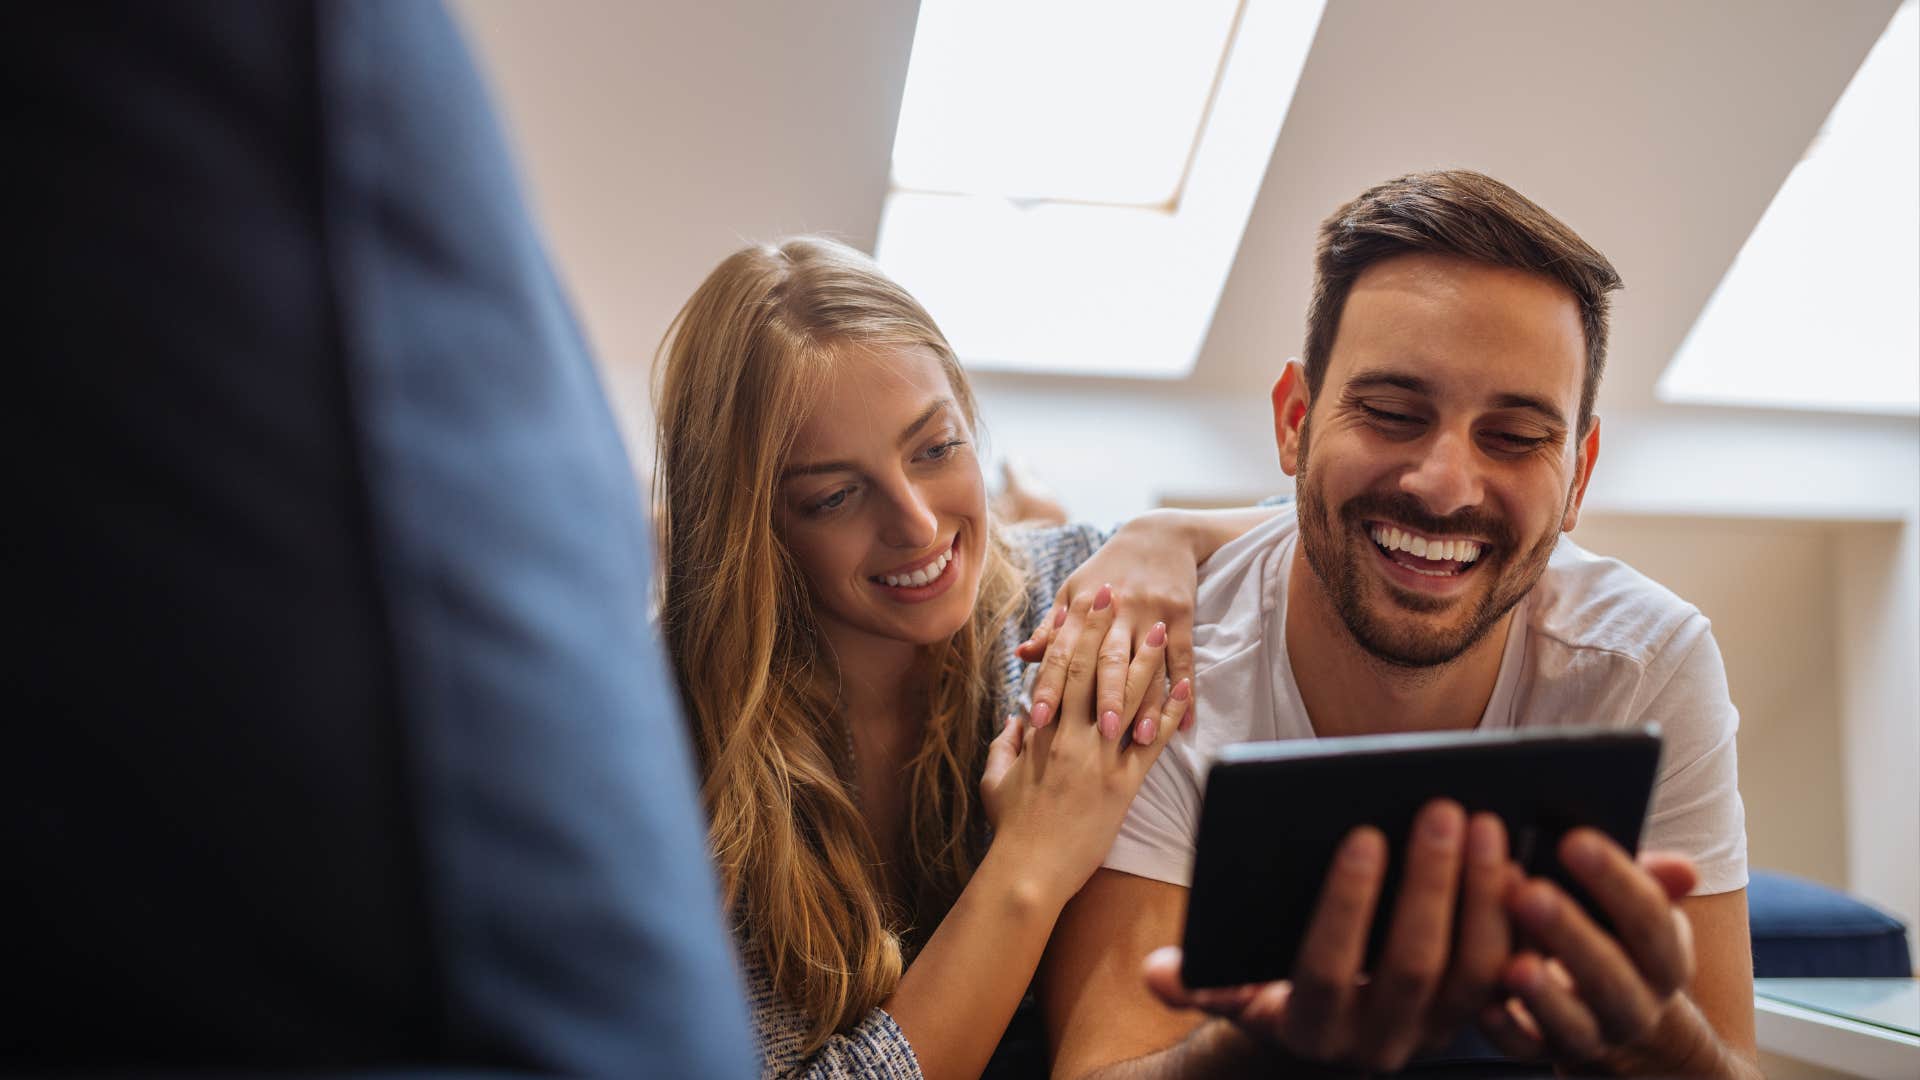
1349, 691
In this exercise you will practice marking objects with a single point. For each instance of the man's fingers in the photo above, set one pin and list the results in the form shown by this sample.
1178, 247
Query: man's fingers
1615, 996
1329, 960
1485, 939
1675, 873
1511, 1031
1415, 958
1638, 904
1569, 1029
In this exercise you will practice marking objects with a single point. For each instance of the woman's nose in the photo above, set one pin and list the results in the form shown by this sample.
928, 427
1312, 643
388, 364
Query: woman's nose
912, 523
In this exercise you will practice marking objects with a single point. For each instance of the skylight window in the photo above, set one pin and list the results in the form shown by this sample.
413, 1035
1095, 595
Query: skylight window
1071, 177
1821, 308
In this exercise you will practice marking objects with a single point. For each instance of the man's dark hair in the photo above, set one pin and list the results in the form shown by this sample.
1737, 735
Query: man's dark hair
1463, 213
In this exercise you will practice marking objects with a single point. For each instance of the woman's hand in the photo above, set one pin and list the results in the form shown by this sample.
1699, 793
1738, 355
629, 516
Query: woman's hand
1057, 793
1152, 561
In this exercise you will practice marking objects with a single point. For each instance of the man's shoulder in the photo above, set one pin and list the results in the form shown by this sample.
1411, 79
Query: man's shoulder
1590, 601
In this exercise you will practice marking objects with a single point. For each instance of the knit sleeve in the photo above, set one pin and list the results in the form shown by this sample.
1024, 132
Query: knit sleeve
874, 1048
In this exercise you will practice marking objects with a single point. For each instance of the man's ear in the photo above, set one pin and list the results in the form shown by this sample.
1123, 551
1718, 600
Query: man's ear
1583, 460
1290, 405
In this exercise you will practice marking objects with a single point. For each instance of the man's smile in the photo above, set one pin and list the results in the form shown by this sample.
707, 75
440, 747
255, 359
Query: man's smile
1435, 556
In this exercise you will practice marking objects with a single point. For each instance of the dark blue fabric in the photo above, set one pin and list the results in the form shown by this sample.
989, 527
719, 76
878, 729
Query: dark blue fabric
1805, 930
342, 739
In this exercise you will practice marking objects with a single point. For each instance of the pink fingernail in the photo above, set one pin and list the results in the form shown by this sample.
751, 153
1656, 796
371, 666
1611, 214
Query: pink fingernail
1103, 598
1059, 618
1041, 711
1184, 690
1158, 635
1148, 728
1110, 724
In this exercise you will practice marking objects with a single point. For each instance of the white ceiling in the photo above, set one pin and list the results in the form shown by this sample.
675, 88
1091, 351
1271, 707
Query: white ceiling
659, 137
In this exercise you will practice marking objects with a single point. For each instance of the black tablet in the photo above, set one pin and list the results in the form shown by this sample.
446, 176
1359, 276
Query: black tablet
1274, 813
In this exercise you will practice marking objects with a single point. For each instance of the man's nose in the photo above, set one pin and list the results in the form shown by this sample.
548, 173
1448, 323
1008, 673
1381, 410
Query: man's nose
911, 522
1446, 478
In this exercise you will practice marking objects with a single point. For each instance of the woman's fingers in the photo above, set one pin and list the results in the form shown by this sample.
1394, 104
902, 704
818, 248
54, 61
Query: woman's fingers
1052, 682
1147, 719
1076, 699
1153, 733
1113, 674
1180, 660
1142, 675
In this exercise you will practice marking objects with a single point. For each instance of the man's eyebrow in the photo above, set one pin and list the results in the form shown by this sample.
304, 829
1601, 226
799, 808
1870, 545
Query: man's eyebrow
1413, 384
1548, 410
1416, 385
906, 436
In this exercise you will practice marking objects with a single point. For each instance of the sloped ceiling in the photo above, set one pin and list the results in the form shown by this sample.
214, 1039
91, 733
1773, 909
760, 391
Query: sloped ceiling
658, 137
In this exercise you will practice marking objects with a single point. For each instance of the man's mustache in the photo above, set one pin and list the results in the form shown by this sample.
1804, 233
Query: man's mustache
1404, 509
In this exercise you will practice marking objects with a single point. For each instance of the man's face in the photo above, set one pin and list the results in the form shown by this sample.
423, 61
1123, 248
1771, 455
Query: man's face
1439, 462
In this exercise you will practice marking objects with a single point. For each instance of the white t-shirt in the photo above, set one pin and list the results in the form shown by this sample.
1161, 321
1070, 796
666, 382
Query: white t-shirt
1594, 643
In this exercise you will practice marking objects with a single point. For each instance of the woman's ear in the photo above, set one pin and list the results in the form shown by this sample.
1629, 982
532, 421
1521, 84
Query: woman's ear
1290, 405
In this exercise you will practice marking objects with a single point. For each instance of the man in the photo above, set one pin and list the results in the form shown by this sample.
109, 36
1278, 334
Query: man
1442, 435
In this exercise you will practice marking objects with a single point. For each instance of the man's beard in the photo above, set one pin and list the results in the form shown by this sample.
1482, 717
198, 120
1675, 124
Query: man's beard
1335, 556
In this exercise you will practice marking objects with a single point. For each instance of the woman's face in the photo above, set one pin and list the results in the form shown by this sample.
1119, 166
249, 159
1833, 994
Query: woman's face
882, 503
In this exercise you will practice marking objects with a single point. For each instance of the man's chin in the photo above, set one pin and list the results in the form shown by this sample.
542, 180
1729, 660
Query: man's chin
1416, 631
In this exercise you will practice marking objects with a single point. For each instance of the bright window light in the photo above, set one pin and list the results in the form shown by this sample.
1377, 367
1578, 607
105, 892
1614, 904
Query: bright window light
1088, 101
1821, 308
1071, 178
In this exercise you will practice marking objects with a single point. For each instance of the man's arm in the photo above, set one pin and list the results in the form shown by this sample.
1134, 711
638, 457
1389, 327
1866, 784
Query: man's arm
1097, 1008
1723, 982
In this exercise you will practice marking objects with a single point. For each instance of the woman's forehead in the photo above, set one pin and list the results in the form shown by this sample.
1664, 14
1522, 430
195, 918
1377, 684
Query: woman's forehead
870, 396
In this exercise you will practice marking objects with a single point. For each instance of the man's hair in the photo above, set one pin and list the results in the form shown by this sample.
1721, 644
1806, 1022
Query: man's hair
1463, 213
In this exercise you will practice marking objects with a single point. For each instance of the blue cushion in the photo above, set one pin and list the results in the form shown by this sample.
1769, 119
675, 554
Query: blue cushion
1802, 929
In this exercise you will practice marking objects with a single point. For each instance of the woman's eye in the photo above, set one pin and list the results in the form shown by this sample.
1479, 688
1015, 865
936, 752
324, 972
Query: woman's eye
831, 502
941, 450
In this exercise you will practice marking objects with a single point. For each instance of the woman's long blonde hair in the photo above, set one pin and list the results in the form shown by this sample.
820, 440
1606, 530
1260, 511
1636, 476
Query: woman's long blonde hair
741, 364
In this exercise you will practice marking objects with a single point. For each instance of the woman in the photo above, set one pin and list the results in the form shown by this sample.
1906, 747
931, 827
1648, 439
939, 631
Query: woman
845, 619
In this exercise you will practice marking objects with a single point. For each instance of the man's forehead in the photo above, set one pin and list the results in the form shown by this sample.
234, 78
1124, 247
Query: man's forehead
1463, 326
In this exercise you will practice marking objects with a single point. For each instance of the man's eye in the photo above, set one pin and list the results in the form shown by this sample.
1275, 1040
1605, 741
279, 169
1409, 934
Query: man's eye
1514, 443
1388, 416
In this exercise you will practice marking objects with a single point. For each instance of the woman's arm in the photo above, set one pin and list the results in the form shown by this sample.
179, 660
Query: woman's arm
1055, 797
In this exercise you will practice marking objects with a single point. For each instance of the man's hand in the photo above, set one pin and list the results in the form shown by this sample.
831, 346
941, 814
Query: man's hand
1595, 1000
1427, 982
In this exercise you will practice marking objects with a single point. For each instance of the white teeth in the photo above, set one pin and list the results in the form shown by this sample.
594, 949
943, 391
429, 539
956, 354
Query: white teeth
926, 575
1460, 551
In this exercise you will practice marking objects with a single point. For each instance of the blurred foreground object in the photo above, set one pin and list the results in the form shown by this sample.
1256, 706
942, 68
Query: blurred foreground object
341, 737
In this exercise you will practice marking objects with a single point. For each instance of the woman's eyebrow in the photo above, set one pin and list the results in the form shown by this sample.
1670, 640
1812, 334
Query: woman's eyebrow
920, 421
906, 436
